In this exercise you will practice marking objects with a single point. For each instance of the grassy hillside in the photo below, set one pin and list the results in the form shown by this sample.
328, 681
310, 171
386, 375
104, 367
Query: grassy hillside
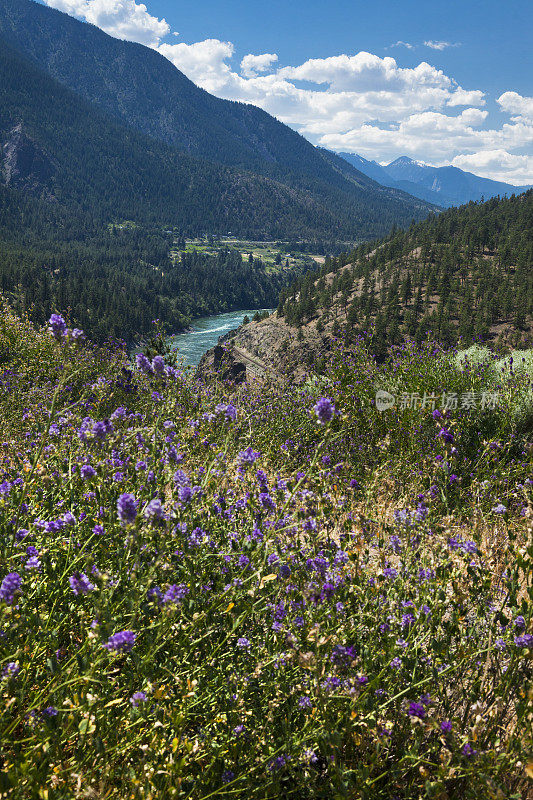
262, 594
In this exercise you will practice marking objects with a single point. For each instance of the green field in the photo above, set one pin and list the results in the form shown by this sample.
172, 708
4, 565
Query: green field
264, 251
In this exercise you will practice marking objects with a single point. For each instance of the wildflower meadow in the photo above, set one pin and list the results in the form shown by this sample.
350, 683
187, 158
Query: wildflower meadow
270, 591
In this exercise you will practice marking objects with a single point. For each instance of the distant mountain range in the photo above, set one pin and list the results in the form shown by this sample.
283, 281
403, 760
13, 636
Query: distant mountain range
443, 186
113, 127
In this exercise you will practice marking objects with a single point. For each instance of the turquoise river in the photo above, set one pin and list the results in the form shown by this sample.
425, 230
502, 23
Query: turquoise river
204, 333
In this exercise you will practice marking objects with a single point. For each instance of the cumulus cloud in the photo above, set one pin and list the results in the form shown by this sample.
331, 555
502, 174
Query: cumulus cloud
514, 103
124, 19
498, 165
461, 97
365, 72
438, 45
251, 65
446, 139
370, 105
202, 62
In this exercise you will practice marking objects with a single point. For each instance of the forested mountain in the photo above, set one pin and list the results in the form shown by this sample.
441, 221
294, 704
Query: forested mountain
72, 173
61, 148
464, 275
443, 186
139, 86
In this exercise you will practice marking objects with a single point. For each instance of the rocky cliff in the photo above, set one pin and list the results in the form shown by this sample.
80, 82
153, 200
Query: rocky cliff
25, 165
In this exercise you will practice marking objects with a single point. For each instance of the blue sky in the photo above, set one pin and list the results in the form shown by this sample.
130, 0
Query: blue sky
447, 82
496, 37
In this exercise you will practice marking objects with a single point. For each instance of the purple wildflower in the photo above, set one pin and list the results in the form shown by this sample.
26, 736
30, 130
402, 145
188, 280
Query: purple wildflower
247, 457
525, 641
324, 410
121, 642
32, 563
417, 710
57, 326
9, 587
267, 502
154, 510
176, 593
127, 508
137, 698
228, 409
284, 571
87, 472
158, 365
446, 435
11, 670
278, 762
143, 364
343, 655
80, 583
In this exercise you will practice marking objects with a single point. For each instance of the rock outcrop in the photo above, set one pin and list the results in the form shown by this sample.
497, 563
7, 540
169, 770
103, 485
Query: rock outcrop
25, 165
222, 362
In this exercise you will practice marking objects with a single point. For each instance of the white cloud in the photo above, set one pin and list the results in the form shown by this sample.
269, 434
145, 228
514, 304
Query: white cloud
514, 103
498, 165
251, 65
369, 105
399, 43
436, 138
124, 19
461, 97
365, 72
202, 62
437, 45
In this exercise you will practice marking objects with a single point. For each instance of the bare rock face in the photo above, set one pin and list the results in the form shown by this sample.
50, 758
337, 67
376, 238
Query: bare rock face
25, 165
223, 363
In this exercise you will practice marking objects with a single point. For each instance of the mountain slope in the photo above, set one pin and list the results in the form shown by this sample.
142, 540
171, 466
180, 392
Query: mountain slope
370, 168
443, 186
58, 146
466, 274
114, 280
143, 89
